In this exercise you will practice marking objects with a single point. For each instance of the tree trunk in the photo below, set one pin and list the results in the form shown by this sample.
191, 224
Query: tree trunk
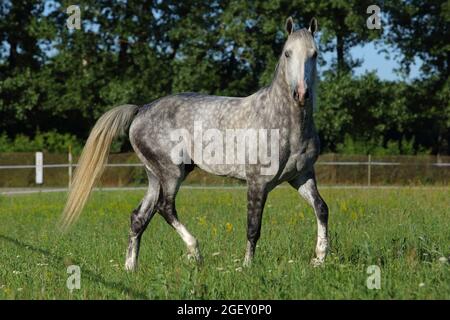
123, 54
12, 53
341, 66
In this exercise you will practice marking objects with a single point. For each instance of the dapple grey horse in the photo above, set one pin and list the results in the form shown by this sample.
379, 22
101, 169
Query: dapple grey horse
286, 106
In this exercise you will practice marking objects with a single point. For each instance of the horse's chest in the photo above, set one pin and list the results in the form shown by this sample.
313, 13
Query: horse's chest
303, 153
307, 154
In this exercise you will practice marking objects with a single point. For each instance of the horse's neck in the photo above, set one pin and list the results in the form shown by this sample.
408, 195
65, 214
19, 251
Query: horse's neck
281, 99
276, 102
300, 118
279, 89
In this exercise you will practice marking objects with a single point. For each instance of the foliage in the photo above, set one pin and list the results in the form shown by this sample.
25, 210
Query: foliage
56, 79
377, 148
49, 141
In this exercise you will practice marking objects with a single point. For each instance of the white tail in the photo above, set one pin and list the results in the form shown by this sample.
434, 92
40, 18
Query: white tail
93, 159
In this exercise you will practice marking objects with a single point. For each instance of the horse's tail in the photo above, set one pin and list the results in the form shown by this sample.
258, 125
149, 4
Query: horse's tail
93, 159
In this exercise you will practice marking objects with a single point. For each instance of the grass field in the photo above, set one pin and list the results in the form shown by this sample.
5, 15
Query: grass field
403, 231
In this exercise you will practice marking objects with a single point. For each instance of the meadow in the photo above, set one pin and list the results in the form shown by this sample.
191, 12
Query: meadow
405, 232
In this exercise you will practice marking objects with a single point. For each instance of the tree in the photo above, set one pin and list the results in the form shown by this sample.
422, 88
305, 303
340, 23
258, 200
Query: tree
23, 31
421, 29
343, 25
56, 79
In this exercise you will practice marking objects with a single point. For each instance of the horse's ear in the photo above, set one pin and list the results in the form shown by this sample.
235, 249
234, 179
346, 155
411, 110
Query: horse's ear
289, 25
313, 26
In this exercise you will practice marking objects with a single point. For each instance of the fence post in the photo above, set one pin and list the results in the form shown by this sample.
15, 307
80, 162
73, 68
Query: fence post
70, 165
39, 162
334, 169
369, 169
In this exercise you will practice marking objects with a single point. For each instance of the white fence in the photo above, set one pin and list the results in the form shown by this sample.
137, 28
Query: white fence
40, 165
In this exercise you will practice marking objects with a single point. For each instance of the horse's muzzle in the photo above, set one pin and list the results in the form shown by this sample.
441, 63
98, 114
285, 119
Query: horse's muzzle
301, 97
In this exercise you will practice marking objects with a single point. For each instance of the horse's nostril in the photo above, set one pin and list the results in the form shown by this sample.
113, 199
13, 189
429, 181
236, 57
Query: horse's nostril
295, 95
307, 94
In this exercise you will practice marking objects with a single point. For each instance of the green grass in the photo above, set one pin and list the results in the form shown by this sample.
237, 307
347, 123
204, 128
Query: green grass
403, 231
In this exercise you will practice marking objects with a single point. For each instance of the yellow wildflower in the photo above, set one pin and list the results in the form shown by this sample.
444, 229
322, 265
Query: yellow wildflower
202, 221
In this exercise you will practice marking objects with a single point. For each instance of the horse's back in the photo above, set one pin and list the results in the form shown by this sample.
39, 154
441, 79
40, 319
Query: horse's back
182, 110
191, 100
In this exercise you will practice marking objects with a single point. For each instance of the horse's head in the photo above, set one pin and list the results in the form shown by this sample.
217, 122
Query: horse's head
300, 54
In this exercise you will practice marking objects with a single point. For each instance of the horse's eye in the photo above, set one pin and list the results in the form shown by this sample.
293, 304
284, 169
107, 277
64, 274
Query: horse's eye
287, 54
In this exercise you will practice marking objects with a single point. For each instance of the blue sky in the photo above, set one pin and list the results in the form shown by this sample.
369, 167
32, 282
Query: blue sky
383, 64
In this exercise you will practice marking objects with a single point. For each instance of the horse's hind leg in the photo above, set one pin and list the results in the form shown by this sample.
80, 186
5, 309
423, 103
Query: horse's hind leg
256, 196
166, 207
140, 218
307, 188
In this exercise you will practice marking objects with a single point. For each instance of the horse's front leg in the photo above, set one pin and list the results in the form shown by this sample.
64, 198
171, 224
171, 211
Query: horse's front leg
307, 188
256, 198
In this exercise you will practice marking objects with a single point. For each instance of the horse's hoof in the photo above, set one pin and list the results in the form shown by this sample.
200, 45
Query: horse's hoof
130, 266
195, 257
130, 269
317, 262
192, 259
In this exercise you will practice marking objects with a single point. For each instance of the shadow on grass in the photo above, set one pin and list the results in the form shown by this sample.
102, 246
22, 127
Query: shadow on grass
92, 276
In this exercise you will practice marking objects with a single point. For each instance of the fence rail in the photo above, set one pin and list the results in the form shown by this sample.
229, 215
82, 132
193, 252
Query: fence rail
331, 163
331, 169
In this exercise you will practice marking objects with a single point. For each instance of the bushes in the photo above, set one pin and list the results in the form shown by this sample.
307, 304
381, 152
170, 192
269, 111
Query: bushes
375, 147
52, 141
363, 114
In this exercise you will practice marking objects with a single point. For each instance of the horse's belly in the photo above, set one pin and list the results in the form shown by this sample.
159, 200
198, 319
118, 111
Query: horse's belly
234, 171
